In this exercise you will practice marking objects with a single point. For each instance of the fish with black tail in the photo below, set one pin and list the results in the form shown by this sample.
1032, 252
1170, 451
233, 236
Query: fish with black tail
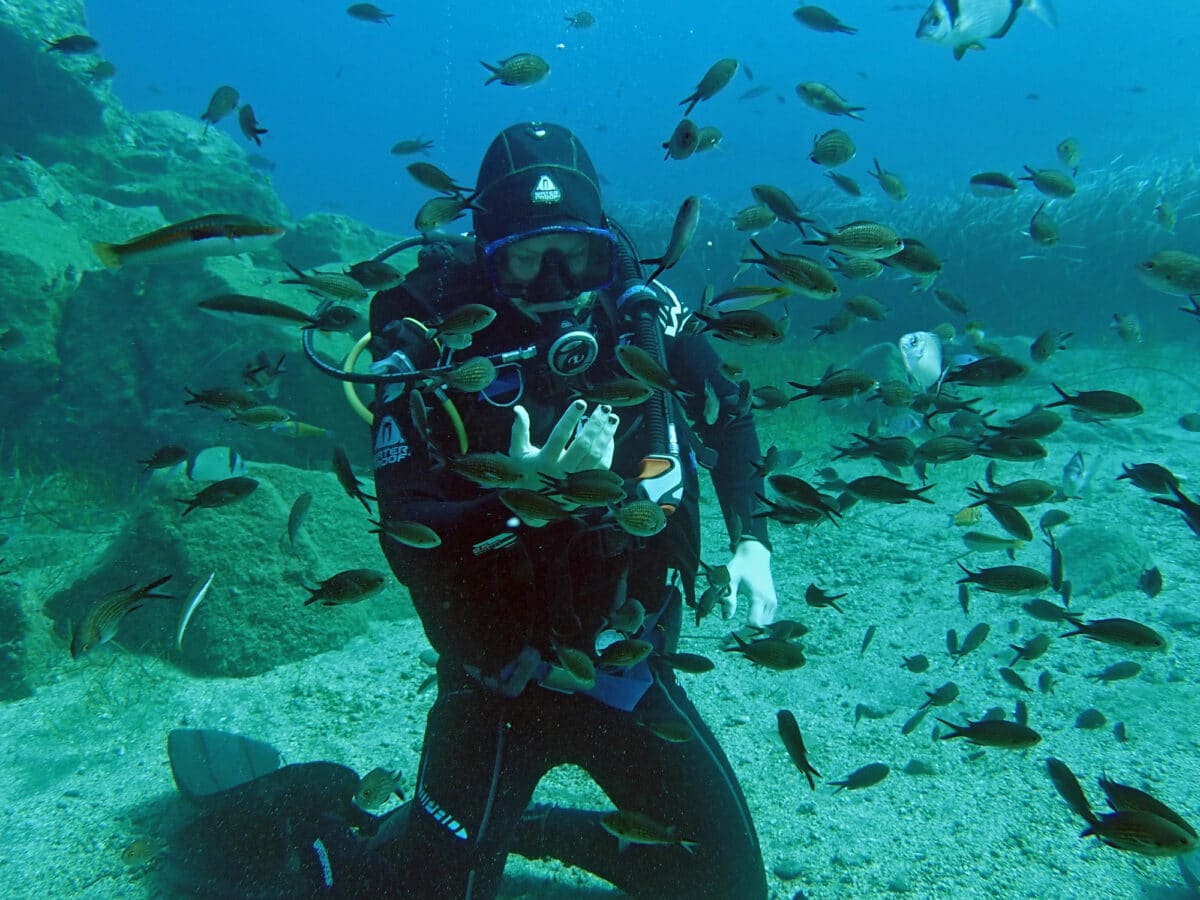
255, 306
718, 75
409, 533
349, 586
165, 457
347, 479
778, 201
297, 515
683, 140
889, 183
1006, 579
992, 184
518, 70
863, 777
789, 731
1119, 632
1099, 404
334, 285
993, 733
221, 493
825, 99
771, 653
1042, 229
880, 489
942, 696
249, 125
820, 19
1032, 649
1139, 823
799, 492
972, 642
837, 384
223, 101
682, 232
72, 45
410, 146
819, 597
1150, 477
1150, 582
1050, 182
1186, 505
368, 12
430, 176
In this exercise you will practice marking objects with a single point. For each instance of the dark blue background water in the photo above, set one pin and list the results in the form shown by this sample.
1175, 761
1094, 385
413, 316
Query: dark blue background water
336, 93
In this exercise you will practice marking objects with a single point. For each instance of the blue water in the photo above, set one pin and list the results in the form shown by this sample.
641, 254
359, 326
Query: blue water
336, 93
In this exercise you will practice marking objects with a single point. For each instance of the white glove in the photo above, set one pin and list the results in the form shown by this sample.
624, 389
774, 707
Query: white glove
592, 447
750, 574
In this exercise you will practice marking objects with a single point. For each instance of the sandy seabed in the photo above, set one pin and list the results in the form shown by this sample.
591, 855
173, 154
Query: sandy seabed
86, 770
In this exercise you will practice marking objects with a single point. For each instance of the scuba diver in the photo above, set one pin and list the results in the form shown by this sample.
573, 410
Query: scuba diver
512, 597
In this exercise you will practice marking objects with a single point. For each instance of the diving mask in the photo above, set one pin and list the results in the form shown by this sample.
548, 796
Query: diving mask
551, 264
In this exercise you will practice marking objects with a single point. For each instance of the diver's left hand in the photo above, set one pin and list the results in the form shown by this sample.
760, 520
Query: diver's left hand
750, 574
568, 449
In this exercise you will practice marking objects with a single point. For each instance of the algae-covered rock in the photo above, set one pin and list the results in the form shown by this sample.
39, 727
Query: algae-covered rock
47, 95
253, 616
320, 238
134, 341
1100, 561
161, 159
41, 261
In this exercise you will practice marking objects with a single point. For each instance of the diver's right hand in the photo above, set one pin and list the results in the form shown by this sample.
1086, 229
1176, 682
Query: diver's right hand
591, 448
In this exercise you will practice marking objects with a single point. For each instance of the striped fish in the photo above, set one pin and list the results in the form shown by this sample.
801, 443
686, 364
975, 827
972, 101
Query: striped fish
334, 285
219, 234
102, 620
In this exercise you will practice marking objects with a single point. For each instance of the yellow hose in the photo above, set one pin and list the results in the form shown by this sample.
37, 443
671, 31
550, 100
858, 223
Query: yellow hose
365, 414
348, 387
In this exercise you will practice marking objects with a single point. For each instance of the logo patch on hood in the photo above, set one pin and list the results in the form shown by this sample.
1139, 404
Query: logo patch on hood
546, 191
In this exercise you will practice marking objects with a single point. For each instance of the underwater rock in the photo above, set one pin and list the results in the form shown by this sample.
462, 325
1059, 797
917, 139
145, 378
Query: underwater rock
41, 261
159, 158
56, 98
319, 238
15, 675
253, 616
881, 361
1101, 561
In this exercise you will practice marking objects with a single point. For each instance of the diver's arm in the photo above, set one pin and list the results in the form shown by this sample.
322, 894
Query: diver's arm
733, 436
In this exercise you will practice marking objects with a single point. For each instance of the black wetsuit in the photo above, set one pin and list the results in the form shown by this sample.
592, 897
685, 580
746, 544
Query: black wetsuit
490, 590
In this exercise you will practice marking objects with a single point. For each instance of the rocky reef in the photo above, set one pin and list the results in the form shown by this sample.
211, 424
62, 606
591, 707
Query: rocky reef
96, 364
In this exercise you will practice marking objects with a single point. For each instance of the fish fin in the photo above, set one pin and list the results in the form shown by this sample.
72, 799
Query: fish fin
990, 474
1044, 10
107, 253
1069, 789
955, 730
